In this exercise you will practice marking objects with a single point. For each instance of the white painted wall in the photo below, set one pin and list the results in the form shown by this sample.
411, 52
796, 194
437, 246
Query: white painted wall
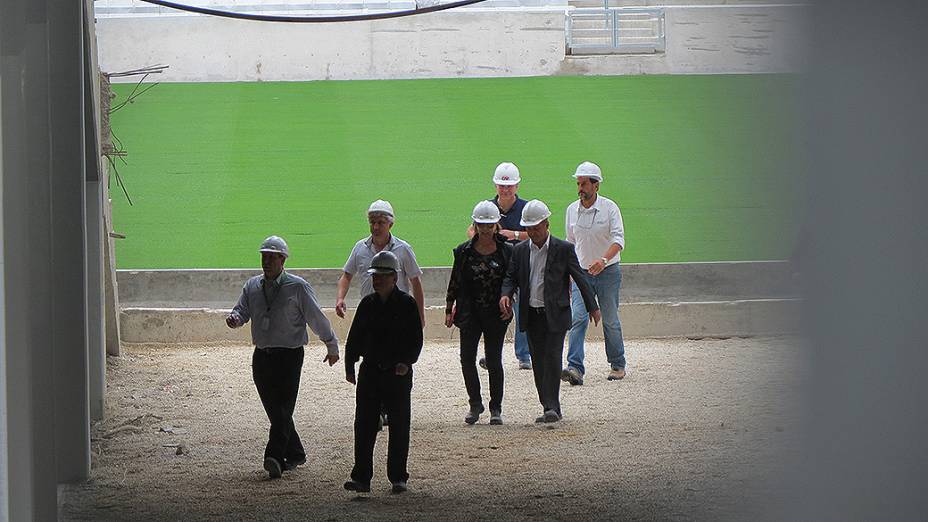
716, 40
457, 43
447, 44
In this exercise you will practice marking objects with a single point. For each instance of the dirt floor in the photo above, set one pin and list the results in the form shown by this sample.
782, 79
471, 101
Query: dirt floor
697, 430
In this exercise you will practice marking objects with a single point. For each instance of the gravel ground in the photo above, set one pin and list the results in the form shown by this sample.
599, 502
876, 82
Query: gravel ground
699, 429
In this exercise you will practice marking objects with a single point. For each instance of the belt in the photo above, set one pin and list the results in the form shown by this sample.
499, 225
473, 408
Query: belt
540, 310
269, 349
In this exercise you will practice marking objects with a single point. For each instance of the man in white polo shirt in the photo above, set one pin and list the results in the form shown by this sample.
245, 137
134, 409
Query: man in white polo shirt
594, 226
380, 217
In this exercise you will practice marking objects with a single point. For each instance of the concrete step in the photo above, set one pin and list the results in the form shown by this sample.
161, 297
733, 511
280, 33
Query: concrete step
645, 282
741, 318
658, 300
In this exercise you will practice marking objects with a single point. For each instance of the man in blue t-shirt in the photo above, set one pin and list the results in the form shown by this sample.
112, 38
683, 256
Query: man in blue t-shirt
506, 178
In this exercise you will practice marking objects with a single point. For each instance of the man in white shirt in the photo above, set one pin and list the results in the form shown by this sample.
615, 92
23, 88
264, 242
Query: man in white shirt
594, 226
380, 216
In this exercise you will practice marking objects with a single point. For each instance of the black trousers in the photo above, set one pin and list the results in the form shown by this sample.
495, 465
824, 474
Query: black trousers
488, 324
276, 372
547, 349
378, 387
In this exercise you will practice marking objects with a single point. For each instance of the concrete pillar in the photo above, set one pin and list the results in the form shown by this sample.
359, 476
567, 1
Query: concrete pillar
4, 448
95, 232
95, 323
69, 268
27, 266
110, 286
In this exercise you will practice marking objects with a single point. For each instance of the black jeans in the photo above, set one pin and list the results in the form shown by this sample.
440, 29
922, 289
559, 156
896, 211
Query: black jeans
547, 349
493, 329
378, 387
276, 372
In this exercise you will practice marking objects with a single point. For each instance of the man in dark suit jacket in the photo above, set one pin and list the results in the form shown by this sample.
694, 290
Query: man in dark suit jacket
540, 269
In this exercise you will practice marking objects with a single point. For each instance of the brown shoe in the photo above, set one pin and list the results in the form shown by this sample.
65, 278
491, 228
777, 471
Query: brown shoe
616, 374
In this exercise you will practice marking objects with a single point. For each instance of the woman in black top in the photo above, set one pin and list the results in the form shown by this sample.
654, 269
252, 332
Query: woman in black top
473, 306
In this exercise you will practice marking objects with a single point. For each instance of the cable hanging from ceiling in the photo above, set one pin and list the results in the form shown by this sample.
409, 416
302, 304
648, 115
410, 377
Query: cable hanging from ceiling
313, 19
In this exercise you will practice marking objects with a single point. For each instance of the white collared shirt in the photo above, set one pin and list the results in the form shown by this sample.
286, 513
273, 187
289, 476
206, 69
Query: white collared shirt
362, 254
593, 230
537, 260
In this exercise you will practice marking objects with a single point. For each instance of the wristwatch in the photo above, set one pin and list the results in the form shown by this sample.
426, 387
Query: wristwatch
605, 261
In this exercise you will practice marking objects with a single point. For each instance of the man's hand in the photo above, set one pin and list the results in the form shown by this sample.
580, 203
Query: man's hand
232, 321
331, 358
508, 234
596, 267
505, 307
596, 316
340, 308
449, 316
401, 369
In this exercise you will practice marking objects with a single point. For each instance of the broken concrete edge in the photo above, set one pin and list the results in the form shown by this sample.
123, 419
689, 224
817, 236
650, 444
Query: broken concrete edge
707, 319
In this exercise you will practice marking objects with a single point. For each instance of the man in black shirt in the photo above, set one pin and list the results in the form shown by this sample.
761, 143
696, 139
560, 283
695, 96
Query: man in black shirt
387, 333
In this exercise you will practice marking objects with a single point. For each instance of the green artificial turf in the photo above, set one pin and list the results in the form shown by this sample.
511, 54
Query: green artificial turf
701, 166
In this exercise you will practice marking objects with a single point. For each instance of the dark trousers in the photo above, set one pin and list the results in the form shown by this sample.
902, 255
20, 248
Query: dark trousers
547, 349
488, 324
276, 372
378, 387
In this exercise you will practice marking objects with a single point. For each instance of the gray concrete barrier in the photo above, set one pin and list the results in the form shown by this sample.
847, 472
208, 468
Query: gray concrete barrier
658, 300
639, 320
646, 282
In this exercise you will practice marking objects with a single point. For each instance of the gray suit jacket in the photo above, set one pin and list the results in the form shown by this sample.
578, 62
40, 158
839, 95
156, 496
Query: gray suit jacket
560, 266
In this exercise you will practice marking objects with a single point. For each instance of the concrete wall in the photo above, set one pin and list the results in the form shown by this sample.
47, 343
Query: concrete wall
457, 43
639, 320
46, 426
658, 300
448, 44
714, 40
646, 282
4, 464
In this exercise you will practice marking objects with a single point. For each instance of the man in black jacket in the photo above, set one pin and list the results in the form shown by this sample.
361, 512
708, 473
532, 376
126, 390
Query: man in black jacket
387, 333
541, 269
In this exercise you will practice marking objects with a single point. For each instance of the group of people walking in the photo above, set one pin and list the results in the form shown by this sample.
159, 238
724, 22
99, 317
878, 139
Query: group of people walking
510, 268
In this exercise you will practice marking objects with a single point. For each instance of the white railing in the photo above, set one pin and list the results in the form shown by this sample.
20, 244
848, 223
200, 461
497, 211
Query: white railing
615, 30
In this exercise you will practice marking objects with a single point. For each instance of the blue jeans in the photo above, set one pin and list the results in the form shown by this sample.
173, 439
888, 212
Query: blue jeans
606, 288
521, 340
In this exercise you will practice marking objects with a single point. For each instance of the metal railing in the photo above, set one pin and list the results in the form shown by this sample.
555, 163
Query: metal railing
615, 30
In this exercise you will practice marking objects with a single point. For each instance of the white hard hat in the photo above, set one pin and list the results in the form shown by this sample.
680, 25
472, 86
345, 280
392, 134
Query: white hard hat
381, 206
384, 262
506, 174
276, 245
486, 212
534, 212
589, 170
